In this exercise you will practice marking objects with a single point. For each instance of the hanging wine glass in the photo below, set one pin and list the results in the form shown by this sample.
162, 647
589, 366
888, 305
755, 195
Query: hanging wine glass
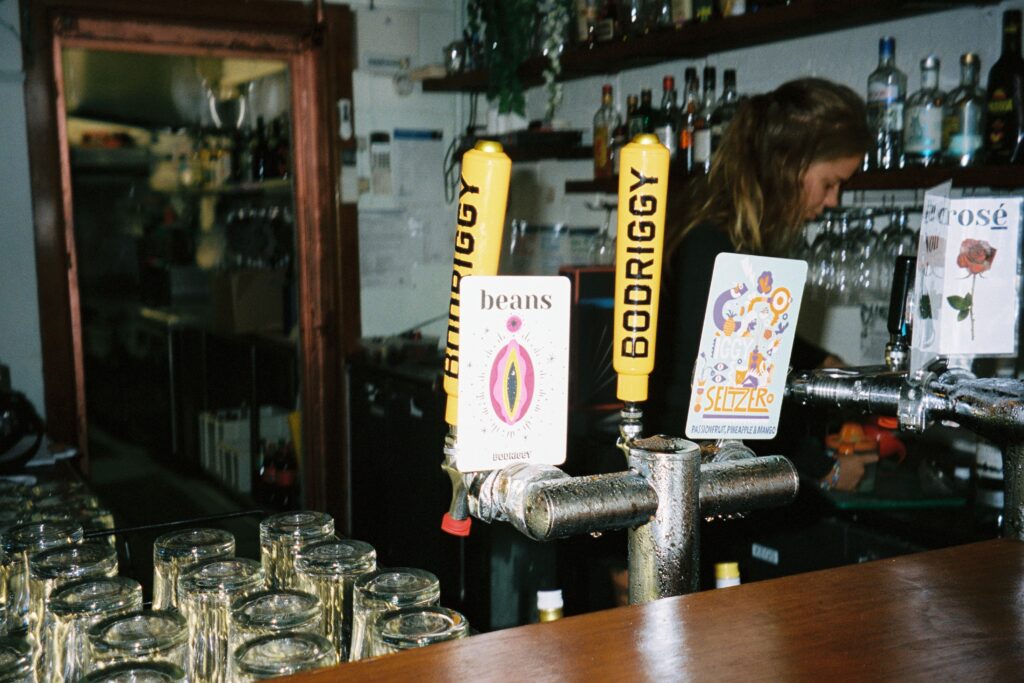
820, 265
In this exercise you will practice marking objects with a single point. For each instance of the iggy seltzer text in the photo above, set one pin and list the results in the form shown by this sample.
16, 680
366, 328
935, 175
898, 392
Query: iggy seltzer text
479, 223
643, 180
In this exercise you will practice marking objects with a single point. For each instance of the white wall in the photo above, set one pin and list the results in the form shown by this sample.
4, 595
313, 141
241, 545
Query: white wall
20, 345
420, 293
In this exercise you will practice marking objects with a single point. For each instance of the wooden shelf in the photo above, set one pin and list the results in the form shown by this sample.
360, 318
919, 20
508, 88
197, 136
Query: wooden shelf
914, 178
697, 40
999, 177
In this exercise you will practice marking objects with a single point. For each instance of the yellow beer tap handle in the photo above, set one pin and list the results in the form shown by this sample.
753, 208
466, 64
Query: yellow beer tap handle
643, 185
480, 223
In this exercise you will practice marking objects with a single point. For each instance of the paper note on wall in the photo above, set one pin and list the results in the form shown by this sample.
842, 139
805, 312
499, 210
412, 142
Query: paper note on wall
966, 301
740, 372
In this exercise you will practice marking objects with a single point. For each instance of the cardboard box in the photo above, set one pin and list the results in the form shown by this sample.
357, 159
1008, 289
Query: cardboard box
244, 301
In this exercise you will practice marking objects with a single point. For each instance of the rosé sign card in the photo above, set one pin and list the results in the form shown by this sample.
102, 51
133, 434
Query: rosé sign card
740, 373
967, 281
514, 371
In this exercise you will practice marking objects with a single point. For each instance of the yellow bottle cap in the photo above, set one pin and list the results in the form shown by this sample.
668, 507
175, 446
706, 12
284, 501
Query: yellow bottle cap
632, 388
646, 139
727, 570
492, 146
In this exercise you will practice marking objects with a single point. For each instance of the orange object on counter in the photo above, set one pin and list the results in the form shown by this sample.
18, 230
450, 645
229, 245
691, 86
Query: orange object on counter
862, 439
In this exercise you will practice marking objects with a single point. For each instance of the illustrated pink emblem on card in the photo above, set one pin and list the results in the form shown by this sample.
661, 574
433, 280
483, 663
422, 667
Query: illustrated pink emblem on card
512, 379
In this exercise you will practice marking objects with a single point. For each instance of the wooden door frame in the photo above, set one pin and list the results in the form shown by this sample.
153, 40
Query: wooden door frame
317, 43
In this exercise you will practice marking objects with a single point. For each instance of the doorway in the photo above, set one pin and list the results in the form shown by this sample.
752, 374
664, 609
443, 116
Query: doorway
153, 225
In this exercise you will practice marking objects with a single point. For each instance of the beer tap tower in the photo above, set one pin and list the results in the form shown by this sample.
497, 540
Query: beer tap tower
666, 489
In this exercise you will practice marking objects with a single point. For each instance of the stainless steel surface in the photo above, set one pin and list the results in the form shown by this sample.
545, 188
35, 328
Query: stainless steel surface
561, 508
664, 553
990, 407
735, 486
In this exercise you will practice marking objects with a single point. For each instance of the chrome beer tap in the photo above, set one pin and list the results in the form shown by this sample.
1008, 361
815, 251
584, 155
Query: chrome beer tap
666, 490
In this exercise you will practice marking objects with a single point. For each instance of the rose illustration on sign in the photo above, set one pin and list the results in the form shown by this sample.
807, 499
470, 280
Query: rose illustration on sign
512, 379
975, 257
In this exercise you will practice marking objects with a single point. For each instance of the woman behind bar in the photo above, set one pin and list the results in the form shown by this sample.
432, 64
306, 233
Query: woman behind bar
782, 161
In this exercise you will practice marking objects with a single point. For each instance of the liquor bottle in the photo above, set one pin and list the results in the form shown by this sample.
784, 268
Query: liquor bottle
632, 18
922, 125
687, 117
887, 89
725, 110
666, 119
586, 21
642, 121
682, 12
661, 14
606, 120
727, 574
621, 135
549, 605
704, 10
962, 127
607, 27
283, 154
1004, 128
702, 124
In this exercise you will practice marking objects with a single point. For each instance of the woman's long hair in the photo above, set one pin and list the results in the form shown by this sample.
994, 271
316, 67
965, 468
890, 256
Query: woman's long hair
755, 187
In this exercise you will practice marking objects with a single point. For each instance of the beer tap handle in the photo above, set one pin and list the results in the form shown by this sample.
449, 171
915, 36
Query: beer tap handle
480, 223
899, 324
643, 186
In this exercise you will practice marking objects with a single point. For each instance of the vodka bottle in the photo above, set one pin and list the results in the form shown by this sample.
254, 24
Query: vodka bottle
666, 119
687, 117
887, 89
725, 110
962, 131
1004, 127
922, 124
606, 120
702, 124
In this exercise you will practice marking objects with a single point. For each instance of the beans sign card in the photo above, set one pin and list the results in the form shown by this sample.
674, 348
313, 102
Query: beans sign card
740, 372
513, 371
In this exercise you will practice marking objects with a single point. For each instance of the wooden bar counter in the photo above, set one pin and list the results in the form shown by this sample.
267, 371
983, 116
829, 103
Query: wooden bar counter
953, 614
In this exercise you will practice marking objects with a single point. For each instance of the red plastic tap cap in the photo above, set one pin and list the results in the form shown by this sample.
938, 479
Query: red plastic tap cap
888, 422
455, 527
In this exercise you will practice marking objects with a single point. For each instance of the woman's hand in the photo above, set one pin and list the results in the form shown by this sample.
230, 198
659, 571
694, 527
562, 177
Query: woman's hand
850, 470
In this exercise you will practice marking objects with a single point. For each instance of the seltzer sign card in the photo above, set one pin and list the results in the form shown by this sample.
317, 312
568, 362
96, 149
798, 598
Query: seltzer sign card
514, 371
967, 280
740, 373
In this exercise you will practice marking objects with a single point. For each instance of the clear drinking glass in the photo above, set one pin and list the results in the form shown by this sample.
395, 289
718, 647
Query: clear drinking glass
282, 654
139, 636
283, 535
20, 543
206, 592
50, 569
74, 608
274, 611
15, 660
414, 627
138, 672
176, 551
820, 270
387, 590
328, 569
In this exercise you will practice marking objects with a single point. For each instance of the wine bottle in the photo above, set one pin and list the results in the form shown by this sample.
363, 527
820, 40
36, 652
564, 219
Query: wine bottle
1004, 130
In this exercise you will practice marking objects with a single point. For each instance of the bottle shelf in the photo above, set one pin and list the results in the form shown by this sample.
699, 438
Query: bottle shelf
797, 19
914, 178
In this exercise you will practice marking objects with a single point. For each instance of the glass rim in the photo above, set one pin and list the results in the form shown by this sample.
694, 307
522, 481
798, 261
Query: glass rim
426, 585
312, 559
160, 642
166, 670
71, 560
453, 626
305, 608
197, 580
74, 598
41, 535
297, 525
318, 645
205, 543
